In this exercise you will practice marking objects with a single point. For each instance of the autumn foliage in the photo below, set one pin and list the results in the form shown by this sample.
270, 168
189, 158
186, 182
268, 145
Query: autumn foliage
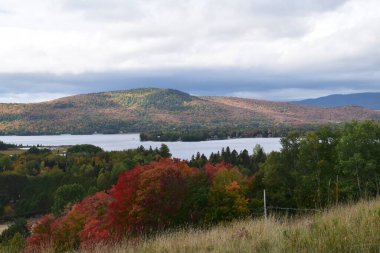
82, 224
150, 197
163, 194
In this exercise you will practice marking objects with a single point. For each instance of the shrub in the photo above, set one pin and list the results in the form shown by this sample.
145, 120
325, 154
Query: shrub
41, 234
84, 149
16, 244
18, 227
150, 197
67, 195
163, 194
83, 225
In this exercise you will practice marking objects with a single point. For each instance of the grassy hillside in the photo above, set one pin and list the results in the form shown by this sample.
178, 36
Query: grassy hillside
159, 109
349, 228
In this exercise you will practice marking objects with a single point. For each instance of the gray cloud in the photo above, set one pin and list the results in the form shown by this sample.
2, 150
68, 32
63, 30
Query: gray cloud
264, 48
226, 82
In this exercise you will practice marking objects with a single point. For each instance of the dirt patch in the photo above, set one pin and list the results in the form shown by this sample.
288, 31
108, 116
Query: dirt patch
3, 227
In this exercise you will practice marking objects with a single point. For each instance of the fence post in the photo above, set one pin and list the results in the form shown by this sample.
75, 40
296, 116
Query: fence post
265, 205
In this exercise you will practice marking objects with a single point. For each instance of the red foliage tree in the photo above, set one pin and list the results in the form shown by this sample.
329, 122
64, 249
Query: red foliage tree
212, 168
83, 225
150, 197
124, 195
41, 234
96, 227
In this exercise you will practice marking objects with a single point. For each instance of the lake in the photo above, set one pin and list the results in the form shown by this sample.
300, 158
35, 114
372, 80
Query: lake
110, 142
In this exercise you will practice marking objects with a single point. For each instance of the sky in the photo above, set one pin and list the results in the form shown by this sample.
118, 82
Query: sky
267, 49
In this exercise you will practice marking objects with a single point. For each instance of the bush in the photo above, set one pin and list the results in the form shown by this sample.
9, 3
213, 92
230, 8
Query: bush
16, 244
67, 195
164, 194
84, 149
36, 151
84, 224
41, 234
152, 195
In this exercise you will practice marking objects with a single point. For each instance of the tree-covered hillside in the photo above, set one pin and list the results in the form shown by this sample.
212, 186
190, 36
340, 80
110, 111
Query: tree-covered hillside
153, 109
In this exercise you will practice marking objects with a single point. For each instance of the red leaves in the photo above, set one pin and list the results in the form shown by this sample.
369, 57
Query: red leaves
41, 237
76, 227
211, 169
148, 198
122, 208
96, 226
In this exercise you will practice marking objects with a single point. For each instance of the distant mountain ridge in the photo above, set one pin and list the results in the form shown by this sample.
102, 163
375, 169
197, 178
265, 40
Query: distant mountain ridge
369, 100
151, 109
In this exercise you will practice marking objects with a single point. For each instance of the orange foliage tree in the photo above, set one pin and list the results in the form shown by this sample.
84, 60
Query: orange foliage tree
227, 197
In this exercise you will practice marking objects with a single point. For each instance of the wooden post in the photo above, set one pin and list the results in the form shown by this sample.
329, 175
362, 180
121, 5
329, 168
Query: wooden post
265, 205
337, 190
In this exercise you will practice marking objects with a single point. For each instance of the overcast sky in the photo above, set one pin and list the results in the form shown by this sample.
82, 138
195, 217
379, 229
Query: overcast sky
268, 49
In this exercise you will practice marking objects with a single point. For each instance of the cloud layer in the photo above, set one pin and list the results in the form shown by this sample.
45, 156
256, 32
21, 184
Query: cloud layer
243, 47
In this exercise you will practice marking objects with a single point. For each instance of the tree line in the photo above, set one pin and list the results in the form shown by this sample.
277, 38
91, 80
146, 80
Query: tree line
221, 133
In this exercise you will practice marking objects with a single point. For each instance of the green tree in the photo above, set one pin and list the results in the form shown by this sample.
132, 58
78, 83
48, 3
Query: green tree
164, 151
278, 181
359, 160
18, 227
67, 195
104, 180
315, 170
5, 163
85, 149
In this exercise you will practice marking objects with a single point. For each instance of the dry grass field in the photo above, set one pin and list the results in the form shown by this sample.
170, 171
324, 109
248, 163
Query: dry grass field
15, 151
350, 228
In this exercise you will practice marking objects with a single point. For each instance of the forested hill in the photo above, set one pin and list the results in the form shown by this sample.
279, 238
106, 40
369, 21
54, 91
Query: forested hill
367, 100
152, 109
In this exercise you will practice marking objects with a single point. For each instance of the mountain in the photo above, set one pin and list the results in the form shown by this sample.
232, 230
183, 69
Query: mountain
366, 100
151, 109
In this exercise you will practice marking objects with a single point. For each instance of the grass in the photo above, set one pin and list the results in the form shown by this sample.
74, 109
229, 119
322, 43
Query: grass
18, 151
349, 228
15, 151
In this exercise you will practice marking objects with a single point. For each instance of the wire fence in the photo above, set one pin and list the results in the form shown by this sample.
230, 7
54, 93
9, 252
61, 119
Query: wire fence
285, 210
11, 218
296, 209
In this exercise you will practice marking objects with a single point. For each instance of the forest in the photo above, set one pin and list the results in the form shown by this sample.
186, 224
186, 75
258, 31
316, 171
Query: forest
223, 133
88, 195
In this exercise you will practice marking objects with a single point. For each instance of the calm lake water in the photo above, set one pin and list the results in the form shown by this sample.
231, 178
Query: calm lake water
183, 150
